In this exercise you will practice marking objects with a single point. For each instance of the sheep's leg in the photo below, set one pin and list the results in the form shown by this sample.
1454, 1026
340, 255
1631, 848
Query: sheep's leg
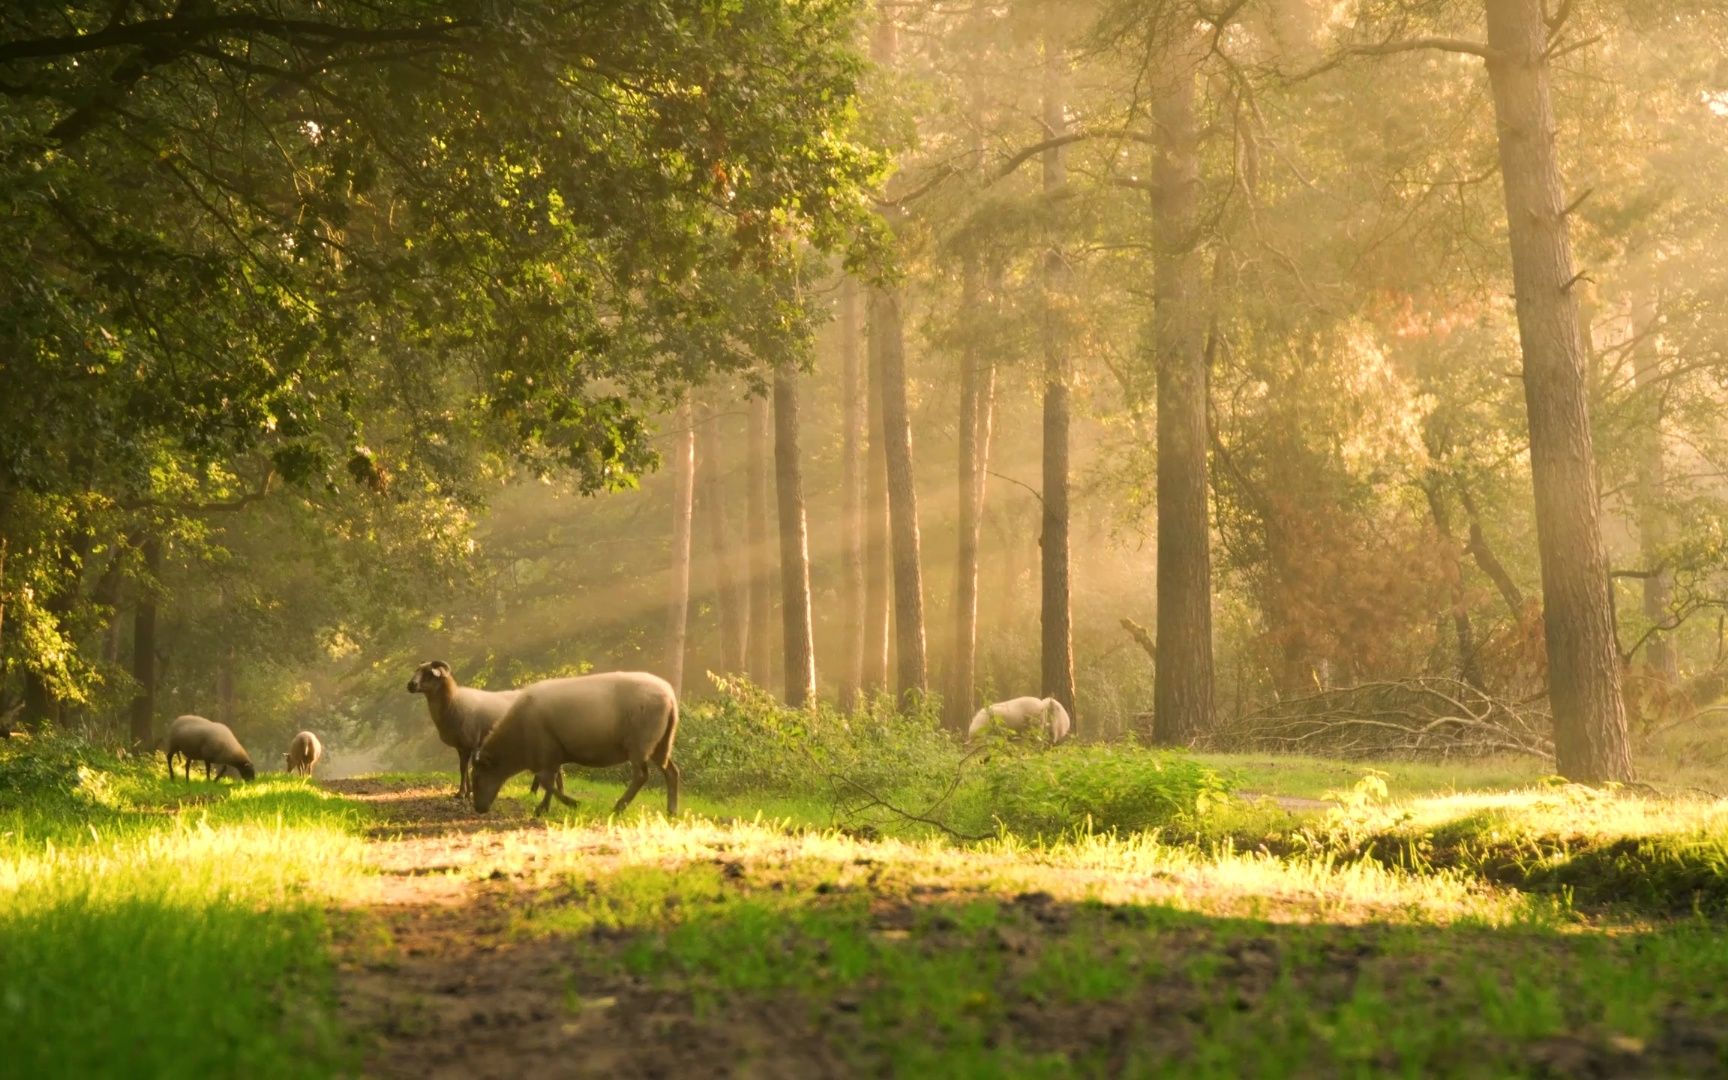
671, 773
206, 771
639, 778
540, 811
463, 790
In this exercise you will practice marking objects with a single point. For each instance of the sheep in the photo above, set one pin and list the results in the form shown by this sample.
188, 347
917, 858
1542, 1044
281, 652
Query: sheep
197, 739
303, 753
596, 720
1041, 717
462, 715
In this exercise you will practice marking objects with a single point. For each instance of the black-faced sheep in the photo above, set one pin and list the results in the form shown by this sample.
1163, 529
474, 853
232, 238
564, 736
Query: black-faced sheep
462, 715
596, 720
303, 753
197, 739
1023, 716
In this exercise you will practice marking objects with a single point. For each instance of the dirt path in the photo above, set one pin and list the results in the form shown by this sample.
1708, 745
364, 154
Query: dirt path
466, 963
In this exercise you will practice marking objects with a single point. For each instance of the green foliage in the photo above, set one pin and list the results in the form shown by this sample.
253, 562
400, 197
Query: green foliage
1053, 793
63, 774
745, 741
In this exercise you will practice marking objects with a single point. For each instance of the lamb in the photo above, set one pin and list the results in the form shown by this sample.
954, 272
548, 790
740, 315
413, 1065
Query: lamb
596, 720
462, 715
1042, 717
197, 739
303, 753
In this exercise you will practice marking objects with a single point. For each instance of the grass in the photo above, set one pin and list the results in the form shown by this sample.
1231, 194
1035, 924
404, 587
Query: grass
1432, 920
150, 928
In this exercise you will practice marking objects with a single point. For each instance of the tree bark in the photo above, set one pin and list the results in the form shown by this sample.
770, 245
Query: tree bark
144, 648
977, 404
1182, 694
854, 634
794, 544
1653, 526
877, 599
910, 675
761, 555
728, 600
678, 603
1056, 611
1583, 665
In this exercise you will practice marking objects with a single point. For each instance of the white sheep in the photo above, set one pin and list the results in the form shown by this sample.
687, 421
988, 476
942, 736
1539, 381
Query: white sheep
197, 739
1023, 716
462, 715
303, 753
594, 720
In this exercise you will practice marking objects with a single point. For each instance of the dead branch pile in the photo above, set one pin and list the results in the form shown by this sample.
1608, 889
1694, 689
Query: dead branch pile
1428, 718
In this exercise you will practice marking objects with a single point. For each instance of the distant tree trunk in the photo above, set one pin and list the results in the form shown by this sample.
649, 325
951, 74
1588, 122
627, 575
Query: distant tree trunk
1182, 694
1056, 615
761, 585
1469, 664
794, 544
854, 634
144, 648
902, 498
678, 603
977, 403
1583, 661
728, 601
1653, 529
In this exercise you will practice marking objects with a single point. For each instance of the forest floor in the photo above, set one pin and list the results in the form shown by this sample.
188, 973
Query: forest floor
500, 945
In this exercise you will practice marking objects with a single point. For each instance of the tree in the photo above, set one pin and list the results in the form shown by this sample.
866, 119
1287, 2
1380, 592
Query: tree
853, 391
910, 673
1056, 607
678, 601
1583, 661
977, 406
1182, 708
144, 650
728, 599
761, 554
794, 544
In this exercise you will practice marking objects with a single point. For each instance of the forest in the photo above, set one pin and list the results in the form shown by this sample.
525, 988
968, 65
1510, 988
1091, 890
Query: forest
864, 537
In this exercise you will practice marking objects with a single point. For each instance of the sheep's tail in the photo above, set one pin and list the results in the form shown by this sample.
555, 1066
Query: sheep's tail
662, 752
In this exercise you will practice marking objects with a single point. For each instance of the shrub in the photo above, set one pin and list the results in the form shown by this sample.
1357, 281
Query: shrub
742, 740
58, 771
1112, 787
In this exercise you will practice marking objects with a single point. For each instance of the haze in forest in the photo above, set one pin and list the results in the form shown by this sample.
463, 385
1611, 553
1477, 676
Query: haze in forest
1188, 360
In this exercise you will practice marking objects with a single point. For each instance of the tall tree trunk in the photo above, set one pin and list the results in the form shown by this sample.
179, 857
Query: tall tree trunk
1653, 529
1583, 664
794, 544
878, 603
854, 634
1182, 694
761, 584
910, 675
1056, 615
977, 404
144, 648
678, 602
728, 602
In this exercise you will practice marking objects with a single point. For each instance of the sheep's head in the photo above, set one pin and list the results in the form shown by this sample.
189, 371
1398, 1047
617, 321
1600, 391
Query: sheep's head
486, 775
246, 771
428, 676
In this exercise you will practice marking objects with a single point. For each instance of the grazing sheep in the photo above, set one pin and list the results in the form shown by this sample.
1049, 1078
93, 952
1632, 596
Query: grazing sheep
303, 753
197, 739
462, 715
1021, 716
595, 720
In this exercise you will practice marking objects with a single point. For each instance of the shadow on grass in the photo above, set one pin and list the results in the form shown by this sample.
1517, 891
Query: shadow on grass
142, 989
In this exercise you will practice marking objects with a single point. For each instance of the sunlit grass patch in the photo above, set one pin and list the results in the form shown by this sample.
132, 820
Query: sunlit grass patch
163, 928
